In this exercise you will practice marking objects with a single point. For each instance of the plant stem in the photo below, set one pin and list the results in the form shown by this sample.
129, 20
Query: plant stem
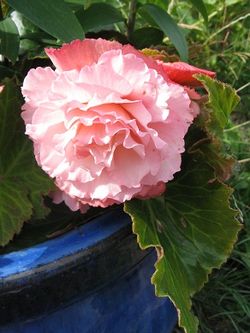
237, 126
131, 18
243, 87
171, 6
245, 160
1, 11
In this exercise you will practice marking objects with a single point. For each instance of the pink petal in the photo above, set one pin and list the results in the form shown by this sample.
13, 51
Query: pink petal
182, 73
59, 196
37, 84
79, 53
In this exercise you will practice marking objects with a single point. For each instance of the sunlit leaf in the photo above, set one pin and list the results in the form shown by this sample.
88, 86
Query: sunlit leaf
9, 39
55, 17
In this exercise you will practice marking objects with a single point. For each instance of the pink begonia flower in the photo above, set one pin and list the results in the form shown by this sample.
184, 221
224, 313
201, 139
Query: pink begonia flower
1, 88
108, 124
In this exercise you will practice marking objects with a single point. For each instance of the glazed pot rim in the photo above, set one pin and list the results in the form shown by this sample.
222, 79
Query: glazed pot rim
78, 240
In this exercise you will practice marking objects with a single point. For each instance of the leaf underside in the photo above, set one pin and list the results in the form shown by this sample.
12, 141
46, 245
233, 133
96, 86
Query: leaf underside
22, 182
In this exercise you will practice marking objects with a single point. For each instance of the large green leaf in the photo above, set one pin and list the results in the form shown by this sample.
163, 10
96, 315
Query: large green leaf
193, 229
169, 27
98, 16
55, 17
22, 182
9, 39
192, 226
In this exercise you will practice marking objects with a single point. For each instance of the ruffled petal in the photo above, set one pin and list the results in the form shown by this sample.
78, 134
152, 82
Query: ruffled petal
80, 53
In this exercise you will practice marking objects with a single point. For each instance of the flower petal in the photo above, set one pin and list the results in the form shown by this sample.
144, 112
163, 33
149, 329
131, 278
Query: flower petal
182, 73
79, 53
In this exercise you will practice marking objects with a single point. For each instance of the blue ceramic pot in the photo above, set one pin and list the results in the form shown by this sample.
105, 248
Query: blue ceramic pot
94, 279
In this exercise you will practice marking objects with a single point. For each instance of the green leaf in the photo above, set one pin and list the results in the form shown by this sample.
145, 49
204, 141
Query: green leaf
169, 27
54, 17
98, 16
6, 71
30, 35
22, 182
222, 101
146, 37
24, 26
212, 151
76, 2
193, 229
9, 39
200, 6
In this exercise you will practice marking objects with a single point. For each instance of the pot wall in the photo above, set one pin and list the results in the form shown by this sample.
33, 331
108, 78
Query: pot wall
94, 279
